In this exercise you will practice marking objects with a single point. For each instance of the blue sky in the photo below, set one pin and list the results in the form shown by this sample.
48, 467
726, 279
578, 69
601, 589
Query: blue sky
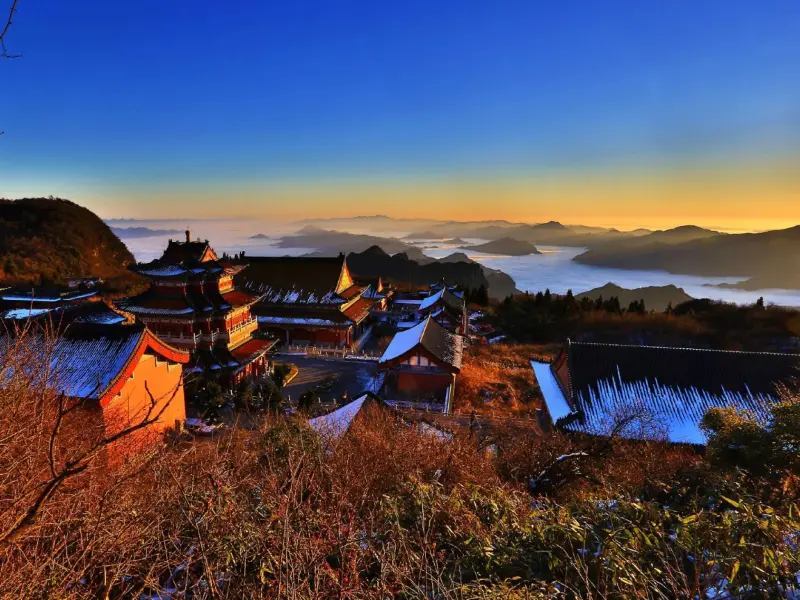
120, 104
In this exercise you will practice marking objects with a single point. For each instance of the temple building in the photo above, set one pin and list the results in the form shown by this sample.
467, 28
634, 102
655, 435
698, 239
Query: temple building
441, 301
378, 291
420, 366
121, 374
446, 308
192, 304
310, 301
650, 392
22, 302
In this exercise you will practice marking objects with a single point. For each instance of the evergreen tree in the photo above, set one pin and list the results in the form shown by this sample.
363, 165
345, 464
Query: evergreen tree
481, 296
307, 400
280, 372
244, 393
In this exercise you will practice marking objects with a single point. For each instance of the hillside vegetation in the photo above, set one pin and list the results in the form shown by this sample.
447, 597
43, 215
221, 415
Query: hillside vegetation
546, 318
48, 240
278, 511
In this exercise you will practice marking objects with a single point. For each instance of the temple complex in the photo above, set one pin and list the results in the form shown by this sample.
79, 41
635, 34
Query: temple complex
192, 304
311, 301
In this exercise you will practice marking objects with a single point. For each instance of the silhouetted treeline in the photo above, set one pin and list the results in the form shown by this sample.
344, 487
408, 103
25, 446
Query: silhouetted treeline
544, 317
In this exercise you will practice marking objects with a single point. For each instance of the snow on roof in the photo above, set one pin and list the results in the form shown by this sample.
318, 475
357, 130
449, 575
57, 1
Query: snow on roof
430, 335
335, 425
408, 301
554, 398
29, 298
269, 320
156, 311
104, 318
431, 300
426, 428
24, 313
662, 392
404, 341
646, 401
271, 295
161, 271
446, 297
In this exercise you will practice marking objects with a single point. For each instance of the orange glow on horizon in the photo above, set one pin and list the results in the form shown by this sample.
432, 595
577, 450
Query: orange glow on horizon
747, 198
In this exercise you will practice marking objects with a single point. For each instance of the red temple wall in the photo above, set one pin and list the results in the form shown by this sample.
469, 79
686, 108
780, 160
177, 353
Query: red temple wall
423, 382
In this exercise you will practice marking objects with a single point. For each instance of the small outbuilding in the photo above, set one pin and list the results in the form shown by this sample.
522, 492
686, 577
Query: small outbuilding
420, 365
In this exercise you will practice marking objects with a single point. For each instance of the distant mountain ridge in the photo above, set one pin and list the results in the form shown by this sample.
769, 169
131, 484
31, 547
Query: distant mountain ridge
326, 241
400, 269
506, 246
656, 298
767, 260
141, 232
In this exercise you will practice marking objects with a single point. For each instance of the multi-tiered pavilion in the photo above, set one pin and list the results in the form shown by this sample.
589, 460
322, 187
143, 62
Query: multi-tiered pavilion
192, 304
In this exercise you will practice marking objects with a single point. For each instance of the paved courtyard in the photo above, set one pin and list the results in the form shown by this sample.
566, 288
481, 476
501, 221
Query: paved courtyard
351, 376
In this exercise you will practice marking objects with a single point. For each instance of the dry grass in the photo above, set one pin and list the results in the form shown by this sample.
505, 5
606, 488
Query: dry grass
498, 380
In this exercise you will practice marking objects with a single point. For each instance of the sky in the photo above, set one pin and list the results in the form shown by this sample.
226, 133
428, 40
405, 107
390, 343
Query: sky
618, 113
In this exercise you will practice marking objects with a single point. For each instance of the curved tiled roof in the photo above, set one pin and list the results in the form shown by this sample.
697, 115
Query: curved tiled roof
429, 335
94, 361
295, 280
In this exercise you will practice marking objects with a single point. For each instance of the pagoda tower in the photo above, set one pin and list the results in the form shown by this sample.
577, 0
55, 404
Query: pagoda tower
192, 304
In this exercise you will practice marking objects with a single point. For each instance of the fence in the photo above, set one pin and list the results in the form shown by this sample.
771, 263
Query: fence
331, 352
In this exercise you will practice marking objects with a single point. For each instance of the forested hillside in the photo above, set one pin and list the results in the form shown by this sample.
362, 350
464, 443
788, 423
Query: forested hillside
47, 240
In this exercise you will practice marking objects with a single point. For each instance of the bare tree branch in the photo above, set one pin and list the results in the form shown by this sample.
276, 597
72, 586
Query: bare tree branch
78, 464
3, 51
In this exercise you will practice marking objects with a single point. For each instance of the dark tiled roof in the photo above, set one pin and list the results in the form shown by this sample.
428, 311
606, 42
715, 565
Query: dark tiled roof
444, 298
151, 303
359, 310
252, 349
679, 384
188, 252
237, 299
294, 279
352, 291
330, 314
709, 370
376, 282
446, 347
46, 296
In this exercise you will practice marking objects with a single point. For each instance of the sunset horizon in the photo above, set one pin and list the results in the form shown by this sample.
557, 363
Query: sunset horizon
620, 116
